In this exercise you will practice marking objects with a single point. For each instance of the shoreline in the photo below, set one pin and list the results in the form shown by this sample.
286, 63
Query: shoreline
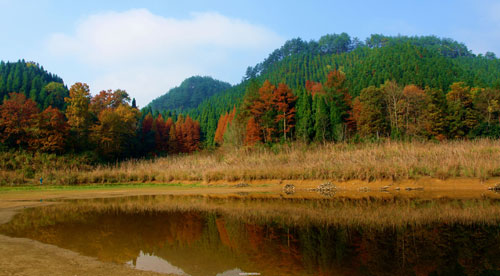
29, 257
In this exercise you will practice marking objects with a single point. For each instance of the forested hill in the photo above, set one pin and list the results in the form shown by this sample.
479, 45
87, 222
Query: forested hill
34, 82
425, 61
189, 94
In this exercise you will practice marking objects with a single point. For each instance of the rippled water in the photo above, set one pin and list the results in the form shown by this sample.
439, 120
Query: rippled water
207, 240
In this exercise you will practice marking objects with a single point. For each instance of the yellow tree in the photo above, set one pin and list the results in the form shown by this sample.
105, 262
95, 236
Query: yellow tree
115, 130
413, 104
77, 111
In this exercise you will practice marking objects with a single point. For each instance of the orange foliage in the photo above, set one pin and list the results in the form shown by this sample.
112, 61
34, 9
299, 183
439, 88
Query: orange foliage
222, 125
161, 134
354, 113
314, 88
50, 131
187, 133
107, 99
17, 119
283, 100
147, 123
252, 135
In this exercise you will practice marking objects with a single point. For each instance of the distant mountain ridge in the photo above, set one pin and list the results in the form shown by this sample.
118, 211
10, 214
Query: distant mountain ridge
189, 94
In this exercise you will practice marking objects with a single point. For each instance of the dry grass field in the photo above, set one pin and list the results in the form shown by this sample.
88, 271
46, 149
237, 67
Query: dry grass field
339, 162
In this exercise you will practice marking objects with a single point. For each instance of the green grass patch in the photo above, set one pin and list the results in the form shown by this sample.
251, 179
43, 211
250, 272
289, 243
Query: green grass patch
99, 186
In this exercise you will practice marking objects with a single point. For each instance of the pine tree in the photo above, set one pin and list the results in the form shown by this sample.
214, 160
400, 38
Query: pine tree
338, 102
305, 125
461, 115
434, 119
321, 118
372, 121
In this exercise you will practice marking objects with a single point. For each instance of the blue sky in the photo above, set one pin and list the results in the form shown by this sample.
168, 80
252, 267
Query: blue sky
147, 47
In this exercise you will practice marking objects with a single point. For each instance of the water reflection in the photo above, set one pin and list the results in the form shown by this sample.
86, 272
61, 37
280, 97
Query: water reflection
153, 263
208, 242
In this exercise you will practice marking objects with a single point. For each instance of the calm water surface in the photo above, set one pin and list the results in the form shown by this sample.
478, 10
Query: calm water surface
210, 242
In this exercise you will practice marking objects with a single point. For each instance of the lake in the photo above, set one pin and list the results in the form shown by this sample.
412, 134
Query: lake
275, 235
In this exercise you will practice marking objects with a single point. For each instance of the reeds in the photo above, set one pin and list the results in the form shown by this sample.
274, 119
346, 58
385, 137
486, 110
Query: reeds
340, 162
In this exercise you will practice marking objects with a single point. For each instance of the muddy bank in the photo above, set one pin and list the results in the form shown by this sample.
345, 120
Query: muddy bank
20, 256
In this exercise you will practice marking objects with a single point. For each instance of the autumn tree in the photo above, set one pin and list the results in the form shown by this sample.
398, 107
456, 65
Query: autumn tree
284, 102
461, 115
191, 135
179, 134
161, 134
108, 99
78, 112
224, 123
263, 111
115, 131
18, 118
173, 144
413, 106
146, 135
393, 95
314, 87
354, 114
50, 131
253, 132
487, 103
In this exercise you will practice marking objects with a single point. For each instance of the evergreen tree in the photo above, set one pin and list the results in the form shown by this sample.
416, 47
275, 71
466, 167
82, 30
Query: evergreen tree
321, 118
372, 121
461, 115
305, 125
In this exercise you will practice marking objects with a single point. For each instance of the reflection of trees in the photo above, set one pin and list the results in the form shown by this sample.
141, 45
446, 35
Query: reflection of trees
203, 243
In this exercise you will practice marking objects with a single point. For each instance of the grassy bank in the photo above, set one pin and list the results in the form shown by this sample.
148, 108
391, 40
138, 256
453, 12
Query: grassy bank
97, 186
339, 162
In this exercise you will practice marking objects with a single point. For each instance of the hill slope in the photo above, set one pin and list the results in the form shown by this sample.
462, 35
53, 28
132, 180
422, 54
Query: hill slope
424, 61
189, 94
34, 82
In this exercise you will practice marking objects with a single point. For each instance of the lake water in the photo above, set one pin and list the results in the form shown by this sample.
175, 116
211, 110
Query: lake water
238, 235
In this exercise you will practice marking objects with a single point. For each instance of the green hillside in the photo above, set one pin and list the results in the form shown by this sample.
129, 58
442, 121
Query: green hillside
189, 94
425, 61
34, 82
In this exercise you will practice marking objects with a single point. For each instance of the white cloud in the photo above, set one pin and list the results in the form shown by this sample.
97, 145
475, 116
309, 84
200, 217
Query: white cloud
147, 54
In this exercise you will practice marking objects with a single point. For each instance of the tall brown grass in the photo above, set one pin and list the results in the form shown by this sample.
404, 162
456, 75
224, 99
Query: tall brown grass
367, 161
